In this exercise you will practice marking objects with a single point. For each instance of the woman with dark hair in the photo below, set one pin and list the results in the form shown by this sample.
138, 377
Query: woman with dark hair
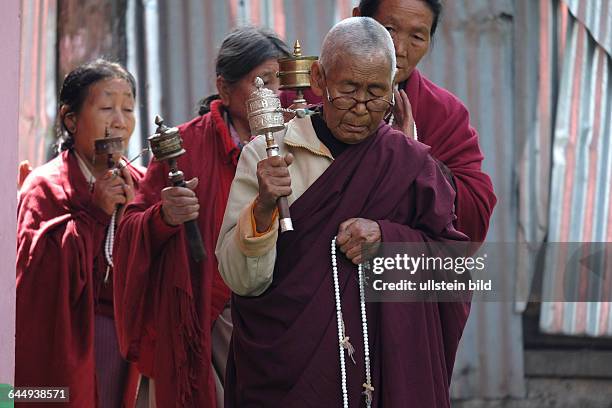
439, 118
65, 334
167, 302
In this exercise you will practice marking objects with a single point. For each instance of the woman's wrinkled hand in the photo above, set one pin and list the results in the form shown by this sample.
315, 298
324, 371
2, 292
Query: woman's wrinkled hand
180, 204
402, 114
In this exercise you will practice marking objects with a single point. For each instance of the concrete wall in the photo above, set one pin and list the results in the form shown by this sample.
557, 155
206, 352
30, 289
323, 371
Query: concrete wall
9, 114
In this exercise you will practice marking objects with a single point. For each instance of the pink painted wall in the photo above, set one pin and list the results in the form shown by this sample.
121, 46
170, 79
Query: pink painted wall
9, 114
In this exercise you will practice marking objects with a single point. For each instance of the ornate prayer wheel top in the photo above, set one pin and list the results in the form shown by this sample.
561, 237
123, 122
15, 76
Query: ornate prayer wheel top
109, 144
264, 110
294, 72
166, 143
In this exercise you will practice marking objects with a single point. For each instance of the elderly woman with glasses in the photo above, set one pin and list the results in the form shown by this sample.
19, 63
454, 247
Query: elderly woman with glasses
429, 113
348, 175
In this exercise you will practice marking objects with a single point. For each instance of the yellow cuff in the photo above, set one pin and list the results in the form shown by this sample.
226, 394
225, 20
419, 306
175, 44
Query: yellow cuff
254, 224
251, 243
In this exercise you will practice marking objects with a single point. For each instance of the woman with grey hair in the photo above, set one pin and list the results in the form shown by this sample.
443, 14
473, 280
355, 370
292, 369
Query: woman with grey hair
429, 113
171, 307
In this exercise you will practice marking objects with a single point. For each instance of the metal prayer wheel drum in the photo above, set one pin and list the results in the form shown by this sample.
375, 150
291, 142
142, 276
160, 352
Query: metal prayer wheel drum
166, 143
264, 110
109, 145
294, 72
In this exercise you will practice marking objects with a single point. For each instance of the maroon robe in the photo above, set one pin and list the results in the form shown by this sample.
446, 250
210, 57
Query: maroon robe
166, 303
284, 350
60, 267
443, 123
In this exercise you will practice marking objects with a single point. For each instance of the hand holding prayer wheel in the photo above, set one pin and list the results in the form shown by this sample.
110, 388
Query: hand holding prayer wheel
274, 187
179, 202
265, 117
115, 188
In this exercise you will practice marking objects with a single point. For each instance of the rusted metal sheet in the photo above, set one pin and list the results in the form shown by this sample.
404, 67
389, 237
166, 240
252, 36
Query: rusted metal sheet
580, 194
37, 90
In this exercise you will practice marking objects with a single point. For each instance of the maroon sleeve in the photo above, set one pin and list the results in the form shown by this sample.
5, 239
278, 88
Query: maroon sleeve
434, 216
434, 222
443, 123
475, 197
140, 236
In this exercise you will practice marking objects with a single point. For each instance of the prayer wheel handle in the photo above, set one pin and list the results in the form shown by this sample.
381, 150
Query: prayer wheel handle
166, 145
282, 203
192, 231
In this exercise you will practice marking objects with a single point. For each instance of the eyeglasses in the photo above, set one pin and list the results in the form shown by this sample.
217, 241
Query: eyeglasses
373, 105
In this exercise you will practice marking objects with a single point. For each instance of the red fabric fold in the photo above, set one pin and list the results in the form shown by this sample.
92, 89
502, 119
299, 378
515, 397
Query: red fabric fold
443, 123
166, 304
60, 235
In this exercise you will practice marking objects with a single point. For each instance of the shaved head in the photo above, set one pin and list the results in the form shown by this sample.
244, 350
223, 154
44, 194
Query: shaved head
361, 38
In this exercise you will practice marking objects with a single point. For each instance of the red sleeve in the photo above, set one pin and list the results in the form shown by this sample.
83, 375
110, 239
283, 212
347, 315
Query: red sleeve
162, 296
443, 123
455, 143
475, 197
140, 237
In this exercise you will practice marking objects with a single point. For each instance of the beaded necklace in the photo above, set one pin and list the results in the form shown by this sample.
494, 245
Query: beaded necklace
344, 340
108, 246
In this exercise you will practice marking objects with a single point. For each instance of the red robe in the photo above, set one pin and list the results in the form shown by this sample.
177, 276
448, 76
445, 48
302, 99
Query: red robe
60, 241
166, 304
443, 123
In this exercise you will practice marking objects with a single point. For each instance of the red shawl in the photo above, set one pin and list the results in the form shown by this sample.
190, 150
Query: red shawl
165, 303
60, 235
443, 123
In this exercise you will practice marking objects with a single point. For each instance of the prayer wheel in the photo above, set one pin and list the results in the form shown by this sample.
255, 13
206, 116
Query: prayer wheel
266, 117
166, 145
264, 110
294, 72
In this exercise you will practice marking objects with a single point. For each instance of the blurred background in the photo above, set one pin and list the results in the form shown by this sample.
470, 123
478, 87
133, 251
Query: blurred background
536, 77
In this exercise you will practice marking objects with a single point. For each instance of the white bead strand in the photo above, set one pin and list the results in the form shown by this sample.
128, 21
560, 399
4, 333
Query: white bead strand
344, 340
108, 246
368, 388
340, 325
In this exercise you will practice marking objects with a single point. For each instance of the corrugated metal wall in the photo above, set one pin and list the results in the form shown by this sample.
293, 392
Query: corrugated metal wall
535, 80
581, 193
192, 31
37, 91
